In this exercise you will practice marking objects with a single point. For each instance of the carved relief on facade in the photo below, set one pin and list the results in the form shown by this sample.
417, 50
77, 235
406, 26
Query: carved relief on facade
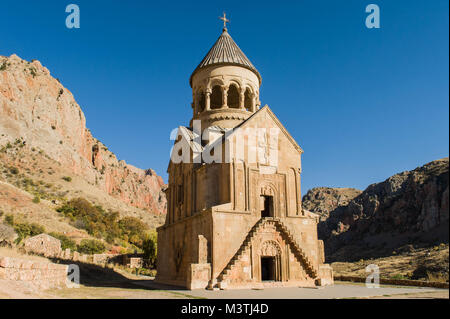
270, 248
267, 190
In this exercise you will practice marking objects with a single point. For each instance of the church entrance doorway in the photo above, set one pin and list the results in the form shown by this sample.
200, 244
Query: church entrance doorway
267, 207
267, 268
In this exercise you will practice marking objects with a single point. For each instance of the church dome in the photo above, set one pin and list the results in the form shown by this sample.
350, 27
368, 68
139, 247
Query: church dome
225, 85
225, 52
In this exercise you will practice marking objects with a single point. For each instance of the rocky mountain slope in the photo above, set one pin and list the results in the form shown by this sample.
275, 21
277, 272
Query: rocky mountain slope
409, 209
40, 113
323, 200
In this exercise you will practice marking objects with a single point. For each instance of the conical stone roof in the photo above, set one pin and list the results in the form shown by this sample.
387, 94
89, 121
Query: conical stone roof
225, 52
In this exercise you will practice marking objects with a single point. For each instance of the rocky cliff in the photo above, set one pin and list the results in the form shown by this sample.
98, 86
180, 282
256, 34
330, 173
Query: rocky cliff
38, 110
409, 208
323, 200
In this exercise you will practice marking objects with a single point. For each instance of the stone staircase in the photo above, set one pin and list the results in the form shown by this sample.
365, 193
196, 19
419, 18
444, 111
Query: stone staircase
298, 251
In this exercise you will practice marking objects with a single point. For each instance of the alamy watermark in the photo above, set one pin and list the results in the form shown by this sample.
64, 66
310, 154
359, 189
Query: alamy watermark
73, 276
373, 19
73, 19
216, 145
373, 279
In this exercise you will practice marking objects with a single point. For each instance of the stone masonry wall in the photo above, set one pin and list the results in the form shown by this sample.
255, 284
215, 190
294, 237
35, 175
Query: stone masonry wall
44, 245
40, 275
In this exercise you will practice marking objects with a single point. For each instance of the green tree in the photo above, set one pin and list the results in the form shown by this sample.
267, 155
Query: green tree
134, 230
150, 248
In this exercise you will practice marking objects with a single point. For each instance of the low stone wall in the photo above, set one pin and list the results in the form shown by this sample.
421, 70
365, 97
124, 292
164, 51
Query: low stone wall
40, 275
103, 258
398, 282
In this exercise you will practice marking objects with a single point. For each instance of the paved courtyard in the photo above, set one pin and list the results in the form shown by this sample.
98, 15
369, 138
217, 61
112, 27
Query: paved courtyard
339, 290
336, 291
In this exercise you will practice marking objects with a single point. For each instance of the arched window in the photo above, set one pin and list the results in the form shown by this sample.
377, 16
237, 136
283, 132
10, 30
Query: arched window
248, 100
201, 102
233, 97
216, 97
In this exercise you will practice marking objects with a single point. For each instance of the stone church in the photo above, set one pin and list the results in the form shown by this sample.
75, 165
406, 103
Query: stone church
235, 217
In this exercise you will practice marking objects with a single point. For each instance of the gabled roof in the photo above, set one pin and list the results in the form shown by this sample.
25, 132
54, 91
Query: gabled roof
225, 52
275, 119
190, 137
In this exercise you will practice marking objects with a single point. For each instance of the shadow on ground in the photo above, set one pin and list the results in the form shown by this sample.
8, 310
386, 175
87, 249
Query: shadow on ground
92, 275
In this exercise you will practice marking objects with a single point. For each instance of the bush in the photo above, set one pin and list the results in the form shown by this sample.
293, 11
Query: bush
25, 230
9, 219
66, 242
14, 170
91, 218
91, 246
36, 200
67, 178
105, 224
399, 277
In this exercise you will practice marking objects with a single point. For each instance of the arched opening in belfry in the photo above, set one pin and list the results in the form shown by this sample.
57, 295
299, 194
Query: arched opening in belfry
248, 99
216, 97
233, 97
202, 102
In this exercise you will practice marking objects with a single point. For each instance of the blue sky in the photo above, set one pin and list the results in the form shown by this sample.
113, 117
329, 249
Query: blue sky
363, 103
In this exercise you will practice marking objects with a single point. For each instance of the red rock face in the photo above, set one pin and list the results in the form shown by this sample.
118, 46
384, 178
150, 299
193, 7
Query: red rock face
35, 106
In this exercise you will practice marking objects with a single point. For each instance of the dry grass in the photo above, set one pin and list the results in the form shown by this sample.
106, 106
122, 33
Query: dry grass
429, 264
10, 252
27, 174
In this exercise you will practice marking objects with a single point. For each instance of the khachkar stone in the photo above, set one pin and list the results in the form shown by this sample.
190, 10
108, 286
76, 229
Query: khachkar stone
234, 214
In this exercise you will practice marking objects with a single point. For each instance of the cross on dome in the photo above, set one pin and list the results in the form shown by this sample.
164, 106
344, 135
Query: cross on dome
225, 20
